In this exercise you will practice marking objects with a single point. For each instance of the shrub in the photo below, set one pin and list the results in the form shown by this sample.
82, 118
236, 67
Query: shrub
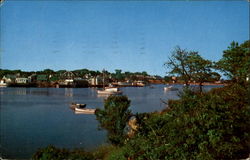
114, 118
213, 125
53, 153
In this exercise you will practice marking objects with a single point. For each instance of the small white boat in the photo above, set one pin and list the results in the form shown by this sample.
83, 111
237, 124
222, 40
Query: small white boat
170, 88
81, 109
109, 91
84, 110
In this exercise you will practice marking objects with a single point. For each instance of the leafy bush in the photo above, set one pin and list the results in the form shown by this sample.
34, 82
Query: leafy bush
213, 125
114, 118
103, 151
53, 153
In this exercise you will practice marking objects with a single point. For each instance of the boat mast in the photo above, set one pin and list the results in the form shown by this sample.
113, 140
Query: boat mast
103, 79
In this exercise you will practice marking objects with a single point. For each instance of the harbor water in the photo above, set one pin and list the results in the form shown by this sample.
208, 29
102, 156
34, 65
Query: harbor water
32, 118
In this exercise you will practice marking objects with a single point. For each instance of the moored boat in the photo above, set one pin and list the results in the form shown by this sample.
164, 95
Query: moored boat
109, 91
84, 110
75, 105
81, 109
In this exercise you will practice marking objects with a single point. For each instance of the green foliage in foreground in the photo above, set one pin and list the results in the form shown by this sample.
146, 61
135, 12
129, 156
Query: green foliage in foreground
53, 153
212, 125
114, 118
104, 152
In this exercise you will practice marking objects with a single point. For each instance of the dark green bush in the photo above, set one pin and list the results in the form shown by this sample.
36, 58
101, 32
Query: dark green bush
53, 153
114, 118
213, 125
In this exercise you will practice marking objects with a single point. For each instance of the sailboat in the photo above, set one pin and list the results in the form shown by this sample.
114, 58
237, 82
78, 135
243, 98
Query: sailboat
108, 90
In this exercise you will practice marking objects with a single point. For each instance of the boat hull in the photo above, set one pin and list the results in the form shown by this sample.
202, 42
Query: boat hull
104, 92
84, 111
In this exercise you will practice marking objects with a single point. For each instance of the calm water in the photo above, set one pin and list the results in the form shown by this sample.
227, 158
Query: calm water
32, 118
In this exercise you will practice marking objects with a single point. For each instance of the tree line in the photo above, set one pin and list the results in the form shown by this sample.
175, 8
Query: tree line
118, 74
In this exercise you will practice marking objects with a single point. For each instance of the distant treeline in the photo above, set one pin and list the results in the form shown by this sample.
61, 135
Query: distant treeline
118, 74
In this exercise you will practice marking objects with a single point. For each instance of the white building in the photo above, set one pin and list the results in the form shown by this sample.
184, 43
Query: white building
96, 81
9, 78
22, 80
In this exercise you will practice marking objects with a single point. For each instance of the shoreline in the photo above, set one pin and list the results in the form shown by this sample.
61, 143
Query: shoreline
101, 86
203, 84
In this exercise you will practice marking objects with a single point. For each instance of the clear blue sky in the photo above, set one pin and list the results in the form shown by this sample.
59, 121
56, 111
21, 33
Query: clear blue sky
127, 35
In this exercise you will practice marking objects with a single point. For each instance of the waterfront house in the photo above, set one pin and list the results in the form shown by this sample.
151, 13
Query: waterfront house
9, 78
21, 80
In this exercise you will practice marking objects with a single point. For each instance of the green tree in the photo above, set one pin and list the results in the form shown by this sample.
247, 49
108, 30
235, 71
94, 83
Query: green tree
167, 78
93, 73
81, 72
48, 71
128, 75
144, 73
189, 65
178, 64
114, 118
236, 61
200, 69
118, 75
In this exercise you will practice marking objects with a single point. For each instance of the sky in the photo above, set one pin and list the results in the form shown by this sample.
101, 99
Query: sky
128, 35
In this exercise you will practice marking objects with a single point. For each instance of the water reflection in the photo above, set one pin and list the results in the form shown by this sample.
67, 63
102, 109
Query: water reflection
69, 92
104, 96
